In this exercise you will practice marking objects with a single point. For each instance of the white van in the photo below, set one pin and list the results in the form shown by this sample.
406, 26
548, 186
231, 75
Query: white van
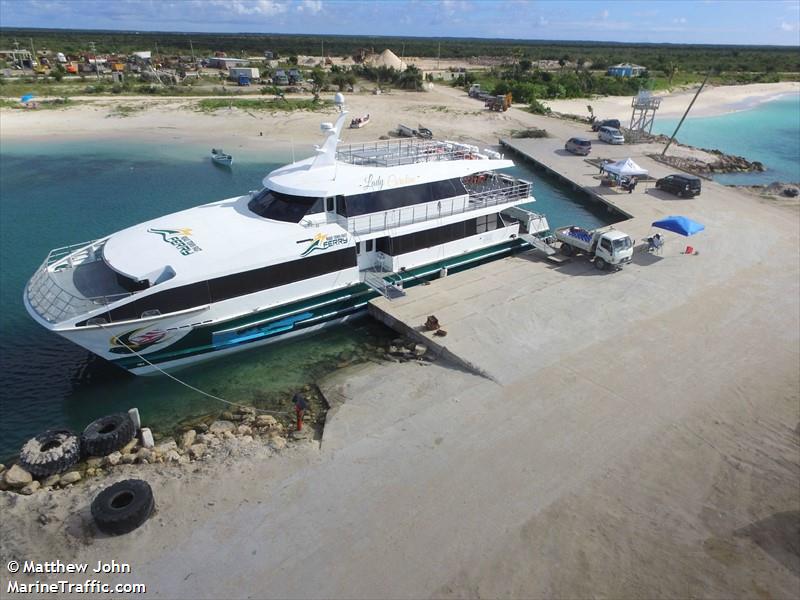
611, 135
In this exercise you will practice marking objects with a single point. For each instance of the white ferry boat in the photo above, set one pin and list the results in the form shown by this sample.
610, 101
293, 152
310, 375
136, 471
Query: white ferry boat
323, 237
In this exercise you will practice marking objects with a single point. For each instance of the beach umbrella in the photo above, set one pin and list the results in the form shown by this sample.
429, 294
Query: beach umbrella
680, 225
27, 98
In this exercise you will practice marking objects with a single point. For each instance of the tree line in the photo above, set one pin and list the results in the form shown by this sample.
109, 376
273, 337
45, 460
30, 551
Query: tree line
596, 55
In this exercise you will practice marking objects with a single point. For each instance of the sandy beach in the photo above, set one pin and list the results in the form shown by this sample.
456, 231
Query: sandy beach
639, 435
713, 100
446, 110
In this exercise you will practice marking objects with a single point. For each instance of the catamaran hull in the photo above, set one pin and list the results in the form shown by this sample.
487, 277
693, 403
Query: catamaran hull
157, 345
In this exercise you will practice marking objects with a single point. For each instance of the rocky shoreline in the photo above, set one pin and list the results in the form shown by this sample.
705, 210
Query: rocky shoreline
210, 437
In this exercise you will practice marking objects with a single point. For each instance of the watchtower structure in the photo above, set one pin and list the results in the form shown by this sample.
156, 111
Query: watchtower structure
644, 106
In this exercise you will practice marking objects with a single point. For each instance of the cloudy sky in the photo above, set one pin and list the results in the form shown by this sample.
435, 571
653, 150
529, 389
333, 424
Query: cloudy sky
678, 21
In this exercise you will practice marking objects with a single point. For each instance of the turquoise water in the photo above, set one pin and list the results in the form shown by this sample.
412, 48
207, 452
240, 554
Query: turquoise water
55, 194
768, 132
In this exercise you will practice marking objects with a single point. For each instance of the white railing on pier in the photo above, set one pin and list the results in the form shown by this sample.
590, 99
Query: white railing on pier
519, 190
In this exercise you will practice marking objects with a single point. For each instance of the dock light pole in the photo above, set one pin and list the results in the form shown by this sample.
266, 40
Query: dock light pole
700, 89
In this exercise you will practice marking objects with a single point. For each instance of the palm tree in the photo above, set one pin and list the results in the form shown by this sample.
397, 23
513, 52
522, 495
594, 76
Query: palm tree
672, 68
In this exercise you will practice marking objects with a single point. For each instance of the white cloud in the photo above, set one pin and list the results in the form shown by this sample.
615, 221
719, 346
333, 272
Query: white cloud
679, 20
543, 22
604, 14
251, 7
789, 26
311, 6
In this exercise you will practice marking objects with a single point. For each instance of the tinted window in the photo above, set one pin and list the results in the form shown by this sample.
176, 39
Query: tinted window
362, 204
429, 237
238, 284
283, 207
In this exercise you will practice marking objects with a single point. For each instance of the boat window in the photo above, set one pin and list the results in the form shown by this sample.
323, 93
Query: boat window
358, 247
428, 237
284, 207
371, 202
329, 204
232, 286
96, 279
368, 246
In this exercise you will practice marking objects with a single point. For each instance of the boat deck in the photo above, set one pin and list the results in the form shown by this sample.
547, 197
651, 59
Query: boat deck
392, 153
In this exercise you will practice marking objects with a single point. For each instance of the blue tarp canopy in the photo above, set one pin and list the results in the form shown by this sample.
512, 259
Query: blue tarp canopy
680, 225
27, 98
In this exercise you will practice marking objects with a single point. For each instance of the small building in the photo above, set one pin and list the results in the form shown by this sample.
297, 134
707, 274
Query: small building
219, 62
234, 73
626, 70
143, 57
269, 54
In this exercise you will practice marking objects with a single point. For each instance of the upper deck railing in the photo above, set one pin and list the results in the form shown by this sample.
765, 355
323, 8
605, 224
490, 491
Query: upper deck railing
51, 292
392, 153
511, 190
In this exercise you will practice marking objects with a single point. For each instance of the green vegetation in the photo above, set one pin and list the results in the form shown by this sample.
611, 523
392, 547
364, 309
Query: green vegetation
593, 55
533, 132
212, 104
126, 110
40, 104
410, 79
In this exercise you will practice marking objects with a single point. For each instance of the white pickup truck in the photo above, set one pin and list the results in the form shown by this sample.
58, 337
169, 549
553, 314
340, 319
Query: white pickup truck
608, 247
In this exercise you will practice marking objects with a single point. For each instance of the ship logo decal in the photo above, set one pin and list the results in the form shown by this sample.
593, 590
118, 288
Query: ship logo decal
322, 241
137, 340
179, 238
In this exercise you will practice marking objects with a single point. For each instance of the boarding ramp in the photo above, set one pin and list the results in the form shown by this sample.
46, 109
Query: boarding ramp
386, 283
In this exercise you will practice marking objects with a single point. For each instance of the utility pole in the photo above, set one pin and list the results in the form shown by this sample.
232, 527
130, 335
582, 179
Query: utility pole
439, 56
700, 89
192, 49
93, 48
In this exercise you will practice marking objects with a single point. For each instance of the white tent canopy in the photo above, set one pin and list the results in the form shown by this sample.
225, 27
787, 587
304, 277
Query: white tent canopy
625, 168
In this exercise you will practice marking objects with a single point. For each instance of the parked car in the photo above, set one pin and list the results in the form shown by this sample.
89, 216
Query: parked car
611, 135
578, 145
685, 186
606, 123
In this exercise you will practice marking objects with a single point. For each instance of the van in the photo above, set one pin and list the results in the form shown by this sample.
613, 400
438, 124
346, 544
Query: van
578, 145
684, 186
611, 135
606, 123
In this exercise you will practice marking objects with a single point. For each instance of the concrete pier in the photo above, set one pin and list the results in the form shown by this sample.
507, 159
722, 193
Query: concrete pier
532, 305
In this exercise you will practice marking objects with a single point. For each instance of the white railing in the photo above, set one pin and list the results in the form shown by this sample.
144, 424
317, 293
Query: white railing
392, 153
381, 221
47, 293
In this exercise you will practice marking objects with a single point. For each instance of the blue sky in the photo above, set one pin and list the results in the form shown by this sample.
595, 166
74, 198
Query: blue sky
677, 21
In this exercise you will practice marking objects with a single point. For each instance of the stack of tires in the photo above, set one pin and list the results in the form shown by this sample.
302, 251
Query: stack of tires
120, 508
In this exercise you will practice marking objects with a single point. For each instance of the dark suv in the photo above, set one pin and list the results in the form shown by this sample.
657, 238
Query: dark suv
685, 186
613, 123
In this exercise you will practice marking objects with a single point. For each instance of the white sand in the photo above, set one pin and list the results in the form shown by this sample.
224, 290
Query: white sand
713, 100
642, 441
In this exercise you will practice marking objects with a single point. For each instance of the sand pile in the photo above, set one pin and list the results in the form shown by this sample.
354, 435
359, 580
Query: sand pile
387, 58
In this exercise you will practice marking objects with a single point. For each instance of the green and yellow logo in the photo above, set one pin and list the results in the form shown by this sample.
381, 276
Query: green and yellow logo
322, 241
179, 238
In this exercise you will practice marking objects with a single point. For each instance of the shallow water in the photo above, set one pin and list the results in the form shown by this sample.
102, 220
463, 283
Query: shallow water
768, 132
55, 194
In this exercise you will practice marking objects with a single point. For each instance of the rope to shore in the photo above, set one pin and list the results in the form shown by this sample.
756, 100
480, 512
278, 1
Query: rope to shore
193, 388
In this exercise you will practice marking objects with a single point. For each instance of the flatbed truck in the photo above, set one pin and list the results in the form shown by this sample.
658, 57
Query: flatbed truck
608, 247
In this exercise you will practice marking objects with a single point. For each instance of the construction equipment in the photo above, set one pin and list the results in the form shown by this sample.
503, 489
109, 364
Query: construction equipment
499, 103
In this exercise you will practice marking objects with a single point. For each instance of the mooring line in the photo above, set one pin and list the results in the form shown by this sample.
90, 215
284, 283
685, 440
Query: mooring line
191, 387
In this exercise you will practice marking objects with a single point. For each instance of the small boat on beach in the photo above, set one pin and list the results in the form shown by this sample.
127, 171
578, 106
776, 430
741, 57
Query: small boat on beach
219, 157
359, 122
